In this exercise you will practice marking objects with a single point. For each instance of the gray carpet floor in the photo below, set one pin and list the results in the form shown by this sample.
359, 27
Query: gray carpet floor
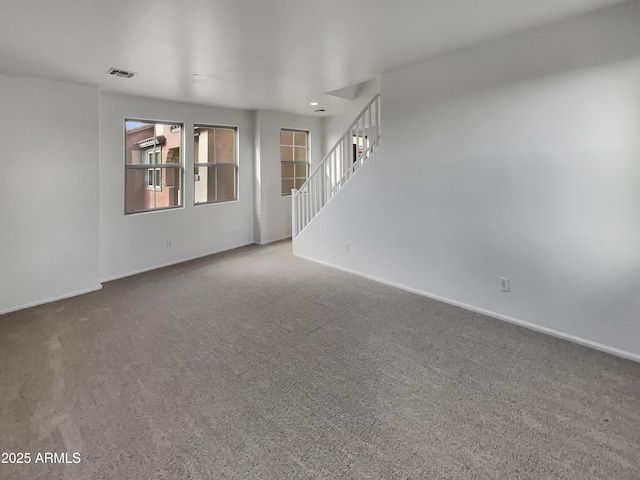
253, 364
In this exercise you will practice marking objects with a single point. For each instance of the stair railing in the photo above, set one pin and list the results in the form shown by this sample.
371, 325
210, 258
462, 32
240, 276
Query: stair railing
338, 166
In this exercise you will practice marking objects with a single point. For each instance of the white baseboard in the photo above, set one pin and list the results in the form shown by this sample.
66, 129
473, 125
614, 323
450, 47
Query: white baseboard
52, 299
531, 326
117, 277
176, 262
274, 241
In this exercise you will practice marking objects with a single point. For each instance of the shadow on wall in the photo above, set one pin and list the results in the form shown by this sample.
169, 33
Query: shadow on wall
603, 37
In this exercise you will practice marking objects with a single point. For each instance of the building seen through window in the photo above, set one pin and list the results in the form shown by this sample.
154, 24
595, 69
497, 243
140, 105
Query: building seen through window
153, 166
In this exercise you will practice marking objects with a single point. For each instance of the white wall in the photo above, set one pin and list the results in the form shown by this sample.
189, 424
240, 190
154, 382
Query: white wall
518, 158
48, 191
273, 210
134, 243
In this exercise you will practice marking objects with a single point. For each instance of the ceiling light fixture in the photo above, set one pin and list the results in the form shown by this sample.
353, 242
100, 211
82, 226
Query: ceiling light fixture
313, 104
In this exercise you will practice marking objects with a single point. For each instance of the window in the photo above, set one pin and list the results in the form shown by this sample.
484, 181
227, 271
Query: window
154, 176
215, 164
294, 159
153, 166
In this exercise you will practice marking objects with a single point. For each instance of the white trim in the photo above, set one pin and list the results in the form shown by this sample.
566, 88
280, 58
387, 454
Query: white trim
51, 300
531, 326
176, 262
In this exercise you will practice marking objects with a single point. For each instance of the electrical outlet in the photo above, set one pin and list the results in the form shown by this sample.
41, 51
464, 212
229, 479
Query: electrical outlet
346, 248
169, 244
504, 284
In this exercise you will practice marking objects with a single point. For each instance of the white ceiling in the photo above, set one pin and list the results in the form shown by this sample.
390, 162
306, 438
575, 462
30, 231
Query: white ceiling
254, 54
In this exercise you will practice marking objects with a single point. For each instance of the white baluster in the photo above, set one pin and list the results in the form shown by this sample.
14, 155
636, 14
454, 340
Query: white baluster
294, 213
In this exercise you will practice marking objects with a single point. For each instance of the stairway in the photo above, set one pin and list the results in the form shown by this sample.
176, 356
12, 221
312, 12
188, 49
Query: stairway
338, 166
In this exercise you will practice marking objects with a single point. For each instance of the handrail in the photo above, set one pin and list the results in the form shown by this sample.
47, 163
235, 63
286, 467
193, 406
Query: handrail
347, 131
337, 167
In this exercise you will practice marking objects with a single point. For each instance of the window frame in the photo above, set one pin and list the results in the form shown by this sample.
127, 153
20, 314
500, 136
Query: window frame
216, 164
307, 162
180, 167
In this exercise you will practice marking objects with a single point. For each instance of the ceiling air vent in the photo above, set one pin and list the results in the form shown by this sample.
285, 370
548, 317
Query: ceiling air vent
116, 72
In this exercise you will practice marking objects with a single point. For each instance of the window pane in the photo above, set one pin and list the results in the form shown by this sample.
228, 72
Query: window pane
138, 195
172, 177
226, 183
204, 145
287, 185
224, 145
136, 157
286, 154
301, 138
138, 134
301, 170
152, 143
169, 196
299, 182
301, 154
151, 156
196, 148
215, 184
204, 183
136, 179
286, 137
170, 139
288, 170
